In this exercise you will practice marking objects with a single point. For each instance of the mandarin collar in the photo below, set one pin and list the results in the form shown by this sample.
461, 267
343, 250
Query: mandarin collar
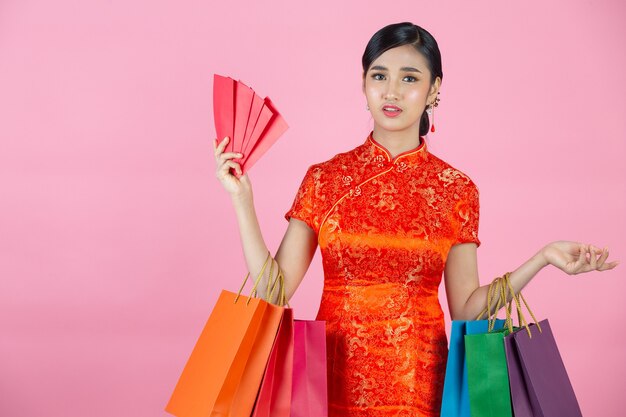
413, 156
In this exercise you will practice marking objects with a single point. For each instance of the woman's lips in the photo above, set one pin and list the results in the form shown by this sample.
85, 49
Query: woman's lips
388, 110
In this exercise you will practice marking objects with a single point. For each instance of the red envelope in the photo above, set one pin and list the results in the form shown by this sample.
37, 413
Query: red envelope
223, 108
252, 123
243, 101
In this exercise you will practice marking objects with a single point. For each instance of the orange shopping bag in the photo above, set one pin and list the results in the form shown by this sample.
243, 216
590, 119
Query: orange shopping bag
223, 374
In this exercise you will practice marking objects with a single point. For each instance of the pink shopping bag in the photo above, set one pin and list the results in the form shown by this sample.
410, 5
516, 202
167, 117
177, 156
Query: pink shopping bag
274, 399
309, 393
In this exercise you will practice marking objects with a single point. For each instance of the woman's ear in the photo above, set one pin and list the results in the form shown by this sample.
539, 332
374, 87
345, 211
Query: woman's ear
434, 89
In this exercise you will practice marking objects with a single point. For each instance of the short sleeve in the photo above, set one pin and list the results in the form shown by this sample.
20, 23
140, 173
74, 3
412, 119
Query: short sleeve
303, 206
466, 215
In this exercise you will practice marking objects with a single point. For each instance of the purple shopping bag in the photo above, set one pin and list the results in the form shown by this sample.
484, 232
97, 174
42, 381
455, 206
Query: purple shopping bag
274, 398
540, 386
519, 391
309, 394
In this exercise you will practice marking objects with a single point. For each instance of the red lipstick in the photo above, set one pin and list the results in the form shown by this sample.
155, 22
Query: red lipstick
391, 110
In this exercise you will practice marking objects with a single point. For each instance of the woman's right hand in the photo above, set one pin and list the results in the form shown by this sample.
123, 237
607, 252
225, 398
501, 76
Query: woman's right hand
237, 187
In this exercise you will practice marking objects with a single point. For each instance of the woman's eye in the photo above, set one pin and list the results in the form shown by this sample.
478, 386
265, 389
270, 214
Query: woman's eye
382, 75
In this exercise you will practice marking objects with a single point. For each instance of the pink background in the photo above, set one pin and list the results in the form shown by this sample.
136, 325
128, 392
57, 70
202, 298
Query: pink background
116, 236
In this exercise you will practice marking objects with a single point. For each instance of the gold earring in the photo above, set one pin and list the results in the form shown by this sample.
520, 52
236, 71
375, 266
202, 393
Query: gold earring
432, 111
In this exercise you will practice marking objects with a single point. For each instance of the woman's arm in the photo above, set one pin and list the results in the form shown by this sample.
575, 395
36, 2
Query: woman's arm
466, 299
299, 243
294, 254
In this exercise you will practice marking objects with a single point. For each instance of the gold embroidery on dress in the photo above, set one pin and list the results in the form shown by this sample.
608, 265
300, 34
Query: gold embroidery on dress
385, 229
401, 166
448, 176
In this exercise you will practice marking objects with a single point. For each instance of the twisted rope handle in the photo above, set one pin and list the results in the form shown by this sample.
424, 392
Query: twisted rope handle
282, 298
256, 281
279, 283
272, 284
493, 287
498, 285
508, 289
520, 316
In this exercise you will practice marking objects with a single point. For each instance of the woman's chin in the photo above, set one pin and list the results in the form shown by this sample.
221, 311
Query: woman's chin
393, 124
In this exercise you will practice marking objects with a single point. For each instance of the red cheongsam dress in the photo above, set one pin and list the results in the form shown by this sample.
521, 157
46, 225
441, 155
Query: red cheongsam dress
384, 227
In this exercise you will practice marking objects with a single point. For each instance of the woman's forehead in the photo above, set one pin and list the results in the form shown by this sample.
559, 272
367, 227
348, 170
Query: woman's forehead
400, 58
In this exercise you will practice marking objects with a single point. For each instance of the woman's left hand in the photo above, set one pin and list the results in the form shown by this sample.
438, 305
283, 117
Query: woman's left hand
571, 257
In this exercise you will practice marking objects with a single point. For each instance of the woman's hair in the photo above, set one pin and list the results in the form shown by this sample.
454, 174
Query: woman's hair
406, 33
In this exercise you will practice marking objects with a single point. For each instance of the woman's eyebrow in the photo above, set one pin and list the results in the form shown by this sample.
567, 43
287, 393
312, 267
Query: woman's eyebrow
408, 69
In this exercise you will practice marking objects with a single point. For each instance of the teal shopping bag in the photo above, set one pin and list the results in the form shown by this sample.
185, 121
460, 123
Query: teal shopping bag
455, 400
456, 394
486, 361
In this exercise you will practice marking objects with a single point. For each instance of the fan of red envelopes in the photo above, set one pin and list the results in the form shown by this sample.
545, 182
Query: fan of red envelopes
252, 123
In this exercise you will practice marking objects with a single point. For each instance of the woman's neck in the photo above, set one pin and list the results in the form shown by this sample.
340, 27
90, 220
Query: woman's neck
397, 141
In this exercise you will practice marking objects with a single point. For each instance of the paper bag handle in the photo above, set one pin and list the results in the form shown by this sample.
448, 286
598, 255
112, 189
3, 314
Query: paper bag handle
521, 320
280, 282
493, 287
271, 284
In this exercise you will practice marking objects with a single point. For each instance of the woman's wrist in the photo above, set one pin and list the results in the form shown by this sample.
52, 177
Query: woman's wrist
541, 258
241, 200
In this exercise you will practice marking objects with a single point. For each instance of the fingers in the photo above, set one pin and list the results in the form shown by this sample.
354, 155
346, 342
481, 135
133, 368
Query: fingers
224, 159
217, 147
229, 155
585, 264
225, 168
609, 265
599, 263
582, 256
219, 150
592, 259
602, 264
603, 255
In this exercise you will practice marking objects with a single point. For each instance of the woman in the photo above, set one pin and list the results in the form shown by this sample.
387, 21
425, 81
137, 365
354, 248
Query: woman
389, 217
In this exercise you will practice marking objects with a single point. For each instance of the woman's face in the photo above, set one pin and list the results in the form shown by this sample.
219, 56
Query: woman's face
400, 77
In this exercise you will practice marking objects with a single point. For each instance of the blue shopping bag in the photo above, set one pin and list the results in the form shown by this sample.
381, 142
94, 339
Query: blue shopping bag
455, 401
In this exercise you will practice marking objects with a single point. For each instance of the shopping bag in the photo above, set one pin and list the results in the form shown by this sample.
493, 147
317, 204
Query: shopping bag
224, 371
455, 398
309, 395
520, 401
540, 386
487, 375
252, 123
549, 387
274, 399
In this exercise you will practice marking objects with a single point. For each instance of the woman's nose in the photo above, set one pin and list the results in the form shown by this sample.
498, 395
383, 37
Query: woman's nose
392, 91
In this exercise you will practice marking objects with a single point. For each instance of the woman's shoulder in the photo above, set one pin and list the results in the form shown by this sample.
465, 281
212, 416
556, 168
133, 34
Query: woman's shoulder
449, 174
